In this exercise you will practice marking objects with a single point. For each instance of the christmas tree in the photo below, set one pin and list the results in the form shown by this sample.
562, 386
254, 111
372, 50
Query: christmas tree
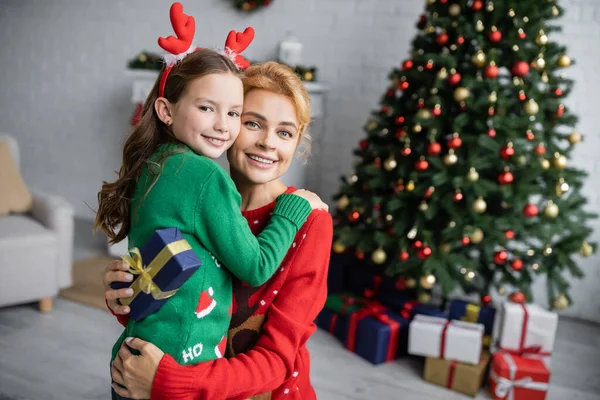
463, 176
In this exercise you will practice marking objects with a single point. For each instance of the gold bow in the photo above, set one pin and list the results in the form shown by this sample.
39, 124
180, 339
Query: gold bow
145, 283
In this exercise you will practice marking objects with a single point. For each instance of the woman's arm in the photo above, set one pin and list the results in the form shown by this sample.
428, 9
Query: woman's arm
288, 326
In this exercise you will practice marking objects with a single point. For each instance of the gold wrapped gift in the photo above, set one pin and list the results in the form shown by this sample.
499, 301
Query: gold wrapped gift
463, 378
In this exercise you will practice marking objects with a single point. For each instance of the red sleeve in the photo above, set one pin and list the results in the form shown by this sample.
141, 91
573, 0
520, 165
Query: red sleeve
123, 319
288, 326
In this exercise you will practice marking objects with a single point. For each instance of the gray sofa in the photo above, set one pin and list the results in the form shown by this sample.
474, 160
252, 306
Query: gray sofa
35, 248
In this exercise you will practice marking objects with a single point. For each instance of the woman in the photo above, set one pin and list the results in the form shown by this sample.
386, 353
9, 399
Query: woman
266, 346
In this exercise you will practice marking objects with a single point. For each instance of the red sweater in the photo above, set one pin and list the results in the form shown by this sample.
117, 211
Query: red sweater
276, 360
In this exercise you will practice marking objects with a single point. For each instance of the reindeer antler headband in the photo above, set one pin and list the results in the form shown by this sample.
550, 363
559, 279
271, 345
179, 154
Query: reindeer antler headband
180, 46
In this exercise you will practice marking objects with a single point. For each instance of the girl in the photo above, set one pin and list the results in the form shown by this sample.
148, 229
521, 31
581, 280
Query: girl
266, 344
169, 179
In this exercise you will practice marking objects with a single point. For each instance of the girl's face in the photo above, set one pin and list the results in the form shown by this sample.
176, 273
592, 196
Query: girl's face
268, 138
207, 116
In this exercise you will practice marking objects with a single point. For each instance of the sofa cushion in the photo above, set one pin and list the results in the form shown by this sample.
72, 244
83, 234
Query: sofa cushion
20, 230
15, 196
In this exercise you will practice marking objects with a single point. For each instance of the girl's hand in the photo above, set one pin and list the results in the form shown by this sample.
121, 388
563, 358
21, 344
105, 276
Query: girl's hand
135, 373
314, 200
116, 272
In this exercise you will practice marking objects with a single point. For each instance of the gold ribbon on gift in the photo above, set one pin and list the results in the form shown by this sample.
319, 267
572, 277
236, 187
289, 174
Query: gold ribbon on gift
145, 283
472, 315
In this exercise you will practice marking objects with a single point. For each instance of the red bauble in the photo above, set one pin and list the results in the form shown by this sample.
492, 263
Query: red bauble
442, 39
522, 96
400, 283
429, 65
429, 192
530, 210
517, 297
385, 109
460, 40
491, 71
403, 85
495, 37
529, 135
359, 254
507, 152
400, 119
516, 264
377, 206
404, 256
560, 111
354, 216
398, 188
408, 64
406, 151
491, 133
454, 79
455, 142
418, 244
437, 111
465, 240
434, 149
540, 149
424, 253
491, 111
421, 165
400, 133
421, 103
505, 177
486, 300
500, 257
477, 5
456, 197
522, 35
520, 69
509, 234
364, 144
558, 92
377, 163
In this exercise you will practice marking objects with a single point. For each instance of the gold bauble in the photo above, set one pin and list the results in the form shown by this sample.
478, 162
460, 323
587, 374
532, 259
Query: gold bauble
424, 298
450, 158
390, 164
477, 236
545, 77
531, 107
479, 58
560, 161
417, 128
545, 164
379, 256
547, 250
479, 205
423, 206
541, 39
555, 11
551, 210
473, 175
563, 61
143, 57
427, 281
561, 302
469, 276
371, 125
445, 248
410, 186
411, 283
574, 137
521, 160
454, 10
586, 249
561, 187
424, 113
540, 63
493, 97
442, 74
490, 6
343, 202
501, 291
461, 94
338, 247
431, 2
479, 26
352, 179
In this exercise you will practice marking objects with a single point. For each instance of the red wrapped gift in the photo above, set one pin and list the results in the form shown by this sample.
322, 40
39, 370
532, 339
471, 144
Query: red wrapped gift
518, 378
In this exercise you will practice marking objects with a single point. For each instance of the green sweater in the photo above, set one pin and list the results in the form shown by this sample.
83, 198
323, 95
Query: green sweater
193, 193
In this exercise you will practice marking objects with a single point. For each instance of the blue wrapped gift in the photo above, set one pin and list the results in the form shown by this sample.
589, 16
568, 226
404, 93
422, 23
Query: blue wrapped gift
465, 311
161, 266
333, 323
428, 309
382, 337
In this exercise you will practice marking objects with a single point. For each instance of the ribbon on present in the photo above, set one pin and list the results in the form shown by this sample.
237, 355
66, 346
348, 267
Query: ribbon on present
145, 281
505, 387
375, 310
450, 379
526, 351
472, 315
446, 324
348, 301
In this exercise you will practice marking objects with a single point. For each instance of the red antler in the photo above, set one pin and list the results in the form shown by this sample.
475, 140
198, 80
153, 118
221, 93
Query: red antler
238, 42
184, 27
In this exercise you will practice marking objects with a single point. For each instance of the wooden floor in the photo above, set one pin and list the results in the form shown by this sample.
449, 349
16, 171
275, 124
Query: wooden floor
64, 355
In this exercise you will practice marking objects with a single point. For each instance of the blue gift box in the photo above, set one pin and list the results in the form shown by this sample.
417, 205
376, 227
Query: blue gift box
373, 338
465, 311
169, 259
333, 323
428, 309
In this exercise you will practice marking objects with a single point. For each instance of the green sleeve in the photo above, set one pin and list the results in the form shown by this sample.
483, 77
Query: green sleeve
223, 230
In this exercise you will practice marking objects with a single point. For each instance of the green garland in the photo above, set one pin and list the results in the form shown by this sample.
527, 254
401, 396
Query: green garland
251, 5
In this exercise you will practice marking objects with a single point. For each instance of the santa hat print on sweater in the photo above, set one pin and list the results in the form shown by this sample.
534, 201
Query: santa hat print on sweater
220, 348
206, 303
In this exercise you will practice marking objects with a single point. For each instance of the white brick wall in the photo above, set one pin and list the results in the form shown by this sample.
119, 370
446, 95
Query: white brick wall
65, 95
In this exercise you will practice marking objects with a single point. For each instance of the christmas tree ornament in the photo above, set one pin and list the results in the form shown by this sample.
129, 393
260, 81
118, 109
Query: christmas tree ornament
522, 95
422, 164
417, 128
364, 144
424, 298
472, 175
545, 163
353, 179
561, 187
423, 113
390, 164
379, 256
454, 79
551, 210
500, 257
434, 149
452, 224
505, 178
560, 302
384, 131
479, 205
563, 61
404, 256
517, 297
400, 119
495, 35
559, 161
522, 34
461, 94
491, 71
354, 216
560, 110
479, 58
470, 275
555, 11
389, 218
531, 107
442, 74
411, 283
477, 236
404, 85
457, 196
477, 5
429, 64
586, 249
410, 186
343, 202
516, 264
424, 252
400, 133
544, 77
454, 10
460, 40
531, 252
491, 133
520, 69
423, 206
508, 151
521, 160
535, 266
486, 300
493, 97
359, 254
490, 6
465, 240
450, 158
371, 125
541, 38
417, 244
412, 233
427, 281
338, 247
429, 29
540, 149
442, 39
437, 110
429, 192
558, 92
377, 162
547, 250
529, 135
408, 64
455, 142
445, 248
530, 210
539, 63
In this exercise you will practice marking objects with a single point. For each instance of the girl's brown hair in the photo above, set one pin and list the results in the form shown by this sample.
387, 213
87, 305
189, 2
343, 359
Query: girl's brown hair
280, 79
114, 199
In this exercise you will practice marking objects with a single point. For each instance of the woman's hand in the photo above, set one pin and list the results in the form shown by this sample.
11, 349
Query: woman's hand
135, 373
116, 272
314, 200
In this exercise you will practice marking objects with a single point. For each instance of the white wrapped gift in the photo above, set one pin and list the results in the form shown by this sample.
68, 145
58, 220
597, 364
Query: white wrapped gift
451, 340
526, 330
